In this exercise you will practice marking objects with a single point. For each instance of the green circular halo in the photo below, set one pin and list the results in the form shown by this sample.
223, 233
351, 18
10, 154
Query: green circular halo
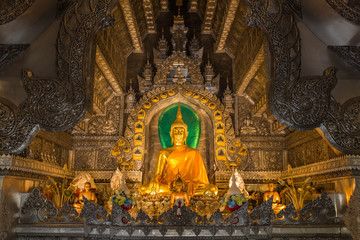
189, 116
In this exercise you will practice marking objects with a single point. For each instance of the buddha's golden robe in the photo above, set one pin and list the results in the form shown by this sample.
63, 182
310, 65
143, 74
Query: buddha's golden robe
184, 160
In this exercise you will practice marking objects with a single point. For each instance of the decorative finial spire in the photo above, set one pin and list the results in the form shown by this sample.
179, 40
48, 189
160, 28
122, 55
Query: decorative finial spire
227, 83
233, 190
123, 186
179, 3
178, 114
178, 121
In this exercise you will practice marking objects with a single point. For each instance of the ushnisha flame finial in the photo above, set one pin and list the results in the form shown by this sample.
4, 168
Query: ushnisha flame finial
178, 121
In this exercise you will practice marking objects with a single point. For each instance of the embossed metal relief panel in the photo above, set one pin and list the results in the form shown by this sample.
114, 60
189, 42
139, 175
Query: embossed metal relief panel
108, 124
105, 161
248, 123
307, 149
44, 149
84, 160
8, 52
263, 160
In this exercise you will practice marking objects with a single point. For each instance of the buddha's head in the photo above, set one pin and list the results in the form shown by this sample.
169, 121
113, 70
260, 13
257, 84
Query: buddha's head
271, 187
179, 184
178, 130
87, 186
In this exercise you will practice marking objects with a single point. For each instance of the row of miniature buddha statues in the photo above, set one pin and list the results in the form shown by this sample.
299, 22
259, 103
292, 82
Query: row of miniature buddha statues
178, 191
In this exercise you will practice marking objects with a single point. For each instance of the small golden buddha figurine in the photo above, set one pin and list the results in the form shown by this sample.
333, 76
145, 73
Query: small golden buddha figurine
179, 159
277, 207
248, 126
86, 193
178, 192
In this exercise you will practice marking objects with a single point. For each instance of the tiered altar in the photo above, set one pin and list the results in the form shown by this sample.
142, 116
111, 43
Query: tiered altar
315, 221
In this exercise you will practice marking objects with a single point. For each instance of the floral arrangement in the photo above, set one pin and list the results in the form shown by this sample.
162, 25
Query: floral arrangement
232, 202
126, 202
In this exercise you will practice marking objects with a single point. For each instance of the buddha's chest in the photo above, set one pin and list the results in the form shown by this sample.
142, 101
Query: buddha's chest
177, 158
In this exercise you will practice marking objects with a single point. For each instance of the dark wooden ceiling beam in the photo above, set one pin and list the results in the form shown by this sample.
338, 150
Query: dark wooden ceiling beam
149, 16
208, 16
226, 26
254, 67
132, 25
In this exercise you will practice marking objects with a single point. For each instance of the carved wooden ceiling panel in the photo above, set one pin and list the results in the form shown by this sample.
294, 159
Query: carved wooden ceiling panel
120, 34
202, 8
237, 35
137, 6
257, 86
248, 58
220, 10
208, 17
113, 53
156, 7
102, 92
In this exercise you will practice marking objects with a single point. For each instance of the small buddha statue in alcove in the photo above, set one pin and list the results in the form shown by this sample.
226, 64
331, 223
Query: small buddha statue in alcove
276, 206
85, 193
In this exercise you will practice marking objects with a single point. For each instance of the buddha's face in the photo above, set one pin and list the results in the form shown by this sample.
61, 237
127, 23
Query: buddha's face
87, 187
271, 187
178, 187
179, 134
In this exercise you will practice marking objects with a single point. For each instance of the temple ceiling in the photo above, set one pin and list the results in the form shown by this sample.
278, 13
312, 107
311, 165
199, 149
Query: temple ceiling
227, 40
236, 51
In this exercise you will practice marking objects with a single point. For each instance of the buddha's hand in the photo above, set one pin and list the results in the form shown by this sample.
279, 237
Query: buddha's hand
154, 185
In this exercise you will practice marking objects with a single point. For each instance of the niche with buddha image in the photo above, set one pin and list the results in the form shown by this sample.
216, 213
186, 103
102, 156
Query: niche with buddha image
157, 134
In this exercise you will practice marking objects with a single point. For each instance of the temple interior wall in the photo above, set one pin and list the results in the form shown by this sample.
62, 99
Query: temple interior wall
13, 184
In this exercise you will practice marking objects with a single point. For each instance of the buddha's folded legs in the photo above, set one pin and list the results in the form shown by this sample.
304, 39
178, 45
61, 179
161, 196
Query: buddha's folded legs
154, 187
192, 186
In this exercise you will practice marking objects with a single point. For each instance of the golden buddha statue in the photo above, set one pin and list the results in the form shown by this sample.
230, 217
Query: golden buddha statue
179, 159
276, 206
86, 193
178, 192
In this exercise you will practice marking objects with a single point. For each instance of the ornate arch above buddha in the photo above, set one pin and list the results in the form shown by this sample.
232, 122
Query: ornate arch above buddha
141, 128
182, 61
